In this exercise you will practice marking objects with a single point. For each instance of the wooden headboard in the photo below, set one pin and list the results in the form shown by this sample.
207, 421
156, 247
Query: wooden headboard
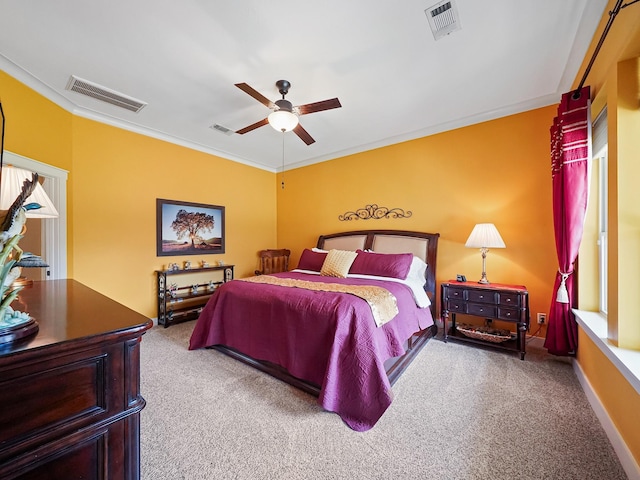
422, 245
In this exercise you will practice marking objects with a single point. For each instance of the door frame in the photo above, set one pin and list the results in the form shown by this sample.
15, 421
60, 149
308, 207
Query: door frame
54, 230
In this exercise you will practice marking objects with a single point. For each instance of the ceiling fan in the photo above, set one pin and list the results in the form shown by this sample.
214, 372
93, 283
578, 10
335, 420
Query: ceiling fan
285, 116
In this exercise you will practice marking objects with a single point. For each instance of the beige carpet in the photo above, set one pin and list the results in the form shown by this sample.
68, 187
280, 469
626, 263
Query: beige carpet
459, 413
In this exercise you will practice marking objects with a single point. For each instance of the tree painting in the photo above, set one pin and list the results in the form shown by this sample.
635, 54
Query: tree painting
191, 224
189, 228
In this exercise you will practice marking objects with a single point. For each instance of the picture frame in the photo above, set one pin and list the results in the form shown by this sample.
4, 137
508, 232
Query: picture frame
188, 228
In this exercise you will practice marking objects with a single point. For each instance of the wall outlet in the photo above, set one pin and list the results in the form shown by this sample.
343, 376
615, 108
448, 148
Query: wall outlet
542, 318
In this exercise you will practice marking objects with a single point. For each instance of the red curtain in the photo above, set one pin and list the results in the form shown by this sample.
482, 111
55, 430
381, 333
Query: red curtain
570, 154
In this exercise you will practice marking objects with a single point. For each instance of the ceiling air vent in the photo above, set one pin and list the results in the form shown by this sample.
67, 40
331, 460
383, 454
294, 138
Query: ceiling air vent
104, 94
221, 129
443, 19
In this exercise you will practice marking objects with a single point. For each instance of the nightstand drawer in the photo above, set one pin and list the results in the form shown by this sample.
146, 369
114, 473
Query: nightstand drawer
509, 314
455, 294
509, 299
482, 296
457, 306
481, 310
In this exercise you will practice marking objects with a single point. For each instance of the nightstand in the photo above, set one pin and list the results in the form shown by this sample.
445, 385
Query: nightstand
493, 301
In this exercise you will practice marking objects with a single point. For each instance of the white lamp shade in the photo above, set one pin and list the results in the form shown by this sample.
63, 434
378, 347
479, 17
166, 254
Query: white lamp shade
12, 180
485, 235
283, 121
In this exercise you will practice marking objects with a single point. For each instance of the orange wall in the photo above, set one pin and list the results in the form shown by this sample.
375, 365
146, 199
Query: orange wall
496, 171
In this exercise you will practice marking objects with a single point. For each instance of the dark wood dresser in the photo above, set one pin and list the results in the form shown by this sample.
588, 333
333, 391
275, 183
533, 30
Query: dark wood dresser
70, 395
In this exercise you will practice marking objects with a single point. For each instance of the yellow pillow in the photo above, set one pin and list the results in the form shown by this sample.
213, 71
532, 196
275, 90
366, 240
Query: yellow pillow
337, 263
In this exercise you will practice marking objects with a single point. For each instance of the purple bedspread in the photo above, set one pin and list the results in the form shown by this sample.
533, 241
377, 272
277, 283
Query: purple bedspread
329, 339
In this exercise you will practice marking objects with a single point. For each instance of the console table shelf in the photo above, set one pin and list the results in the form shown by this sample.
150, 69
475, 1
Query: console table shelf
185, 302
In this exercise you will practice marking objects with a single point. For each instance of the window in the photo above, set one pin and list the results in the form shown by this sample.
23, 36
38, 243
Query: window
600, 158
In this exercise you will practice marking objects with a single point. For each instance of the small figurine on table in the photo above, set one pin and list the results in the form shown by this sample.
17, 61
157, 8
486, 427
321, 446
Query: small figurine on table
205, 264
187, 265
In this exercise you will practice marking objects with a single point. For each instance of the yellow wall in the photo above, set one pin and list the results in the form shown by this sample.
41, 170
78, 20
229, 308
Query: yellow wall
619, 398
115, 177
497, 171
614, 80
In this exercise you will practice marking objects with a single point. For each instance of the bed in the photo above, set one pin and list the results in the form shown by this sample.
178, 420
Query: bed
330, 331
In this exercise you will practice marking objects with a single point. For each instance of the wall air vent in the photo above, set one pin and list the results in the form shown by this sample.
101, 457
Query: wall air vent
221, 129
104, 94
443, 18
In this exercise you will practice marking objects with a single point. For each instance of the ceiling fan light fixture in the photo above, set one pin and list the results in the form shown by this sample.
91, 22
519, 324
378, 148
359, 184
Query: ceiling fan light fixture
283, 121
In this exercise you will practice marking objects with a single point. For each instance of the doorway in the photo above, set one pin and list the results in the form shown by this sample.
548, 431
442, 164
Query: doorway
52, 232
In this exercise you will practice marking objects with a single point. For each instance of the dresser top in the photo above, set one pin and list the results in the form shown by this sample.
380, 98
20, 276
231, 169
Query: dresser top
69, 313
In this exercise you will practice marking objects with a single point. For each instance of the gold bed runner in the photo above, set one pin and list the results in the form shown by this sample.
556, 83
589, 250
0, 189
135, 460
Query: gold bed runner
382, 302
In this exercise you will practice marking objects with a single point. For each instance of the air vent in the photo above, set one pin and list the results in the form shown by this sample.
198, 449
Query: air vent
220, 128
104, 94
443, 19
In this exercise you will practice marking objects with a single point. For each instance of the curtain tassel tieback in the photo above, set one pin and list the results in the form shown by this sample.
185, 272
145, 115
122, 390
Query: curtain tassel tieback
563, 296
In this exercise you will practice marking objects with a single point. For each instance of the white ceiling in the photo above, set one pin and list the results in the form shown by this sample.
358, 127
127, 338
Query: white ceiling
394, 81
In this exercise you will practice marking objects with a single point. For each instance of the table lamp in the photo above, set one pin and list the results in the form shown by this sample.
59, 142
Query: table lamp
484, 236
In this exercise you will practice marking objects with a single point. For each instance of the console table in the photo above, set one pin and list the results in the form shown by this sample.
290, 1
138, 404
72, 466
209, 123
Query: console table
70, 394
493, 301
187, 301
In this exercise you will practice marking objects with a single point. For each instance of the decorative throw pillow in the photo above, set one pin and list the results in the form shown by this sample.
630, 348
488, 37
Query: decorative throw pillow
394, 265
337, 263
310, 260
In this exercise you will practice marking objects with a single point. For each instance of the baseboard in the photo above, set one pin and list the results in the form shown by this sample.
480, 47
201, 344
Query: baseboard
629, 464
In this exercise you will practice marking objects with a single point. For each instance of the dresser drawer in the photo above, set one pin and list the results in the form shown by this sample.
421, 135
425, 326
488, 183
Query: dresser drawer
509, 314
481, 296
509, 299
482, 310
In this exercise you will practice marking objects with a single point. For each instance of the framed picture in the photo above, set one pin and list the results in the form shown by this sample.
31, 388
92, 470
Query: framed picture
185, 228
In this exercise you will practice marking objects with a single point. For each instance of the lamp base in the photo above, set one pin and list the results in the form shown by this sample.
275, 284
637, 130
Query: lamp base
483, 280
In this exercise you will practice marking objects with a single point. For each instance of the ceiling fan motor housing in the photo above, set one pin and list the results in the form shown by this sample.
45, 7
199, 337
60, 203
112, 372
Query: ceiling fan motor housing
284, 105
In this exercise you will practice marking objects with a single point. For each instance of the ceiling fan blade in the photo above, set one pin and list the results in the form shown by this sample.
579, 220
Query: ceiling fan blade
262, 122
319, 106
255, 94
303, 134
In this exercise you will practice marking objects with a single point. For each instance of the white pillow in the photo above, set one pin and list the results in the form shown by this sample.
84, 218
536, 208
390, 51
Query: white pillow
418, 270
